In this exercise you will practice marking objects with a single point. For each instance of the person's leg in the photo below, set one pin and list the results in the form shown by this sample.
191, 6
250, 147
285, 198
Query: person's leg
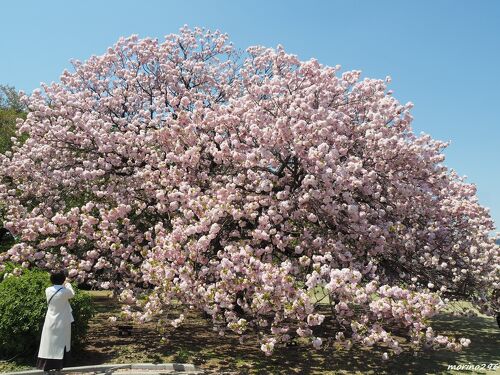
66, 358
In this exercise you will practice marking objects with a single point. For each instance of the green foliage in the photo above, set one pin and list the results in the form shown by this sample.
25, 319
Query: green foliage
11, 108
83, 311
6, 243
8, 267
7, 128
6, 239
182, 356
22, 311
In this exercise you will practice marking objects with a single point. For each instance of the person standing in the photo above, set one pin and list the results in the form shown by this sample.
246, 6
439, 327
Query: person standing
55, 343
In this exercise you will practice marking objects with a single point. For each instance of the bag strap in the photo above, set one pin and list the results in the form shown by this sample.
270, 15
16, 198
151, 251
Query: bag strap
48, 303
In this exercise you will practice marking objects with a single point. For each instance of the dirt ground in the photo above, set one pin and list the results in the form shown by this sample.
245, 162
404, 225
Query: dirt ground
196, 342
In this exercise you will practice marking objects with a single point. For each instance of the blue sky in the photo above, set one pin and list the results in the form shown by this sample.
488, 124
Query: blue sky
443, 55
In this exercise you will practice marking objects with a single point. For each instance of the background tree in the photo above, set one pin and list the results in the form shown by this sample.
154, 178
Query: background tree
253, 189
11, 108
10, 99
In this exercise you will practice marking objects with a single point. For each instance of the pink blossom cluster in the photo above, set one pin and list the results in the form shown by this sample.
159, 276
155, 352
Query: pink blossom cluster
258, 189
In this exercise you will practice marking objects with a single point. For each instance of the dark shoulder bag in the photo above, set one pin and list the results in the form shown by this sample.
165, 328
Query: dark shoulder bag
48, 303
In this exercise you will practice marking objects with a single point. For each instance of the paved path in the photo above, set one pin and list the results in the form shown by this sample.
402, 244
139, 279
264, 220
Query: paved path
125, 369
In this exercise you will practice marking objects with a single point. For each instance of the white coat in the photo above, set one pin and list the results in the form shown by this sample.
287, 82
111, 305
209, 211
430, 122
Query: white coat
56, 333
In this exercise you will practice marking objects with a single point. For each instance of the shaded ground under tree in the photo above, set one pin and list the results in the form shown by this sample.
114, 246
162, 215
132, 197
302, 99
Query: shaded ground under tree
196, 342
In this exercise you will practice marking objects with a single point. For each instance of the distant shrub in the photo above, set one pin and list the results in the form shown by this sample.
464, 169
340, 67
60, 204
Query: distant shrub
22, 311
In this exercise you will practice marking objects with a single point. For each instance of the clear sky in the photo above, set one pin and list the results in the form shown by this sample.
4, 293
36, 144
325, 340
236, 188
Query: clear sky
443, 55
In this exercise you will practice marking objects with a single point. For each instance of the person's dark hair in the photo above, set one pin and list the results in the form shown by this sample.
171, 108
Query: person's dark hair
57, 277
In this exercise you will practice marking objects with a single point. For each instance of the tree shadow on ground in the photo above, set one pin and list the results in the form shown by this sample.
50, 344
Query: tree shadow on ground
196, 342
199, 344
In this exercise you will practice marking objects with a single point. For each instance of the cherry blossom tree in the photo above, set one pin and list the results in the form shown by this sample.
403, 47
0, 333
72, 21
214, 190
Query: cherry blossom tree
278, 196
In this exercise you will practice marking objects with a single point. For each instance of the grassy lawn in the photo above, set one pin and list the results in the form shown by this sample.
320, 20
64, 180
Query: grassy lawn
196, 342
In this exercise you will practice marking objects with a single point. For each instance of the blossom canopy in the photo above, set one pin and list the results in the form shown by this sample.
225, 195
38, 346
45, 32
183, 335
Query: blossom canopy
278, 196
